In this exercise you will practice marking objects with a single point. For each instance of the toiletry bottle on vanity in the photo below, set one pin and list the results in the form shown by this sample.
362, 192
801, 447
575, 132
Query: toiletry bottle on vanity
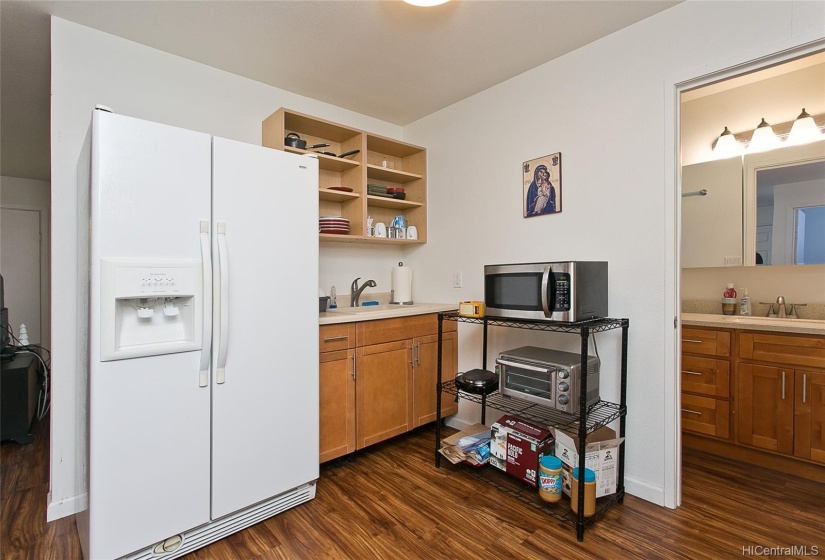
729, 301
745, 304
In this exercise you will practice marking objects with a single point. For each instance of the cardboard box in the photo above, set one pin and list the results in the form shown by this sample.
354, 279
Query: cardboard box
601, 457
476, 454
516, 446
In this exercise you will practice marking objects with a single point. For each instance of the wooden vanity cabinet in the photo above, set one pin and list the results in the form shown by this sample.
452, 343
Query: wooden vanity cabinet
780, 394
377, 380
705, 378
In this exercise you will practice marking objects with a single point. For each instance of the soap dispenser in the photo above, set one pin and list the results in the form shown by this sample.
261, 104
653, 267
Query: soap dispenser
745, 304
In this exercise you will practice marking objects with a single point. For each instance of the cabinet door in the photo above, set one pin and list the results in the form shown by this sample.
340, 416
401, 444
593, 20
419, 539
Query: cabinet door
337, 404
809, 416
765, 397
383, 391
426, 376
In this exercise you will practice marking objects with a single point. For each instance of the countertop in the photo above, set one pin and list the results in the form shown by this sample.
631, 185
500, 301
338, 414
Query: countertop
386, 311
752, 323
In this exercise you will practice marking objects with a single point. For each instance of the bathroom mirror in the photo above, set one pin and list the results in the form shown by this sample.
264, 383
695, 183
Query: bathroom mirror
784, 212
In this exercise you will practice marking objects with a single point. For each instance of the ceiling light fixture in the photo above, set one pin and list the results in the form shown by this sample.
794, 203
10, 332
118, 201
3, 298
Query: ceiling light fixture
804, 130
426, 3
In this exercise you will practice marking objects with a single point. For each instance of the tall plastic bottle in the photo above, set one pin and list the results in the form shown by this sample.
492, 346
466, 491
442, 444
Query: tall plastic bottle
745, 304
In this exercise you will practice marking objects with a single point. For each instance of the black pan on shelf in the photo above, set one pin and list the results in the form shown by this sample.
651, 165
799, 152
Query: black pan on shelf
477, 381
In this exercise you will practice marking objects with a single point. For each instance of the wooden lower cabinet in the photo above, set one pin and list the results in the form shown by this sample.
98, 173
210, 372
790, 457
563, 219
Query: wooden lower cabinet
425, 376
782, 410
383, 391
765, 403
378, 379
709, 417
706, 380
337, 404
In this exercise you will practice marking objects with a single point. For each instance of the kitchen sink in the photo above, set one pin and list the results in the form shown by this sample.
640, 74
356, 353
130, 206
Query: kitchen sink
369, 308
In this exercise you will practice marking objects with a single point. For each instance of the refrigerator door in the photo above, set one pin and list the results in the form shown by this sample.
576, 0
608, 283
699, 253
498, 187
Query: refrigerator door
148, 416
265, 359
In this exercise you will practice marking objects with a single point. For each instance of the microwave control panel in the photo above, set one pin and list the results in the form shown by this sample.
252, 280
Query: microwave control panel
562, 302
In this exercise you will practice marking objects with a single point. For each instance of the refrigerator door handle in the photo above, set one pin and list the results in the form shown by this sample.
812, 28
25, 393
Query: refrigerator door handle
206, 258
223, 304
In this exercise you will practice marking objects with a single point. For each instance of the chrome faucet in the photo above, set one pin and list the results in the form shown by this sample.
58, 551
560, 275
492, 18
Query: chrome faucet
780, 304
781, 309
355, 291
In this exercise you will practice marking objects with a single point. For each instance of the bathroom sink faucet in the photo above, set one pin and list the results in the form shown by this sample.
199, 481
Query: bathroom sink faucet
355, 291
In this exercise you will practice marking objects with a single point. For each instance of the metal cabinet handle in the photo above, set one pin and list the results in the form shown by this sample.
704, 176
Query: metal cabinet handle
353, 365
783, 385
804, 386
412, 356
691, 372
691, 411
692, 340
331, 338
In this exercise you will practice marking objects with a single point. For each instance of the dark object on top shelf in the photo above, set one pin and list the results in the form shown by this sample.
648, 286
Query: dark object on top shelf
292, 140
477, 381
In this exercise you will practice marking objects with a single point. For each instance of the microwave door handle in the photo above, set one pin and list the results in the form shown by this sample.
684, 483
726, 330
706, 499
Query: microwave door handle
544, 370
548, 288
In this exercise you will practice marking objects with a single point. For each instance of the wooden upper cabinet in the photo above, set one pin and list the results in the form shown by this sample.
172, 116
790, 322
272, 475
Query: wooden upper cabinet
707, 342
378, 161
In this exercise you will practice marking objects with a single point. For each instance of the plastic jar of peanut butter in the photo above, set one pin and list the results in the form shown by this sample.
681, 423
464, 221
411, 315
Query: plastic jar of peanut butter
589, 492
550, 478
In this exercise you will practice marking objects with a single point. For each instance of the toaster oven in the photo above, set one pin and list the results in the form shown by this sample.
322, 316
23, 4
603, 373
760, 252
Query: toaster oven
548, 377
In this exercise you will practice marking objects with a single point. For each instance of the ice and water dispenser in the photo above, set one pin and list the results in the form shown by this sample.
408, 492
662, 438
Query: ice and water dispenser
149, 308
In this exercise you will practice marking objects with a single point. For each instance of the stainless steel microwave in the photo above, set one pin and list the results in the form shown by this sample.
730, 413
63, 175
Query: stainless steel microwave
566, 291
548, 377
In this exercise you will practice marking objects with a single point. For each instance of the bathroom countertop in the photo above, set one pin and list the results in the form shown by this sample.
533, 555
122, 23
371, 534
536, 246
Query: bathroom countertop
750, 323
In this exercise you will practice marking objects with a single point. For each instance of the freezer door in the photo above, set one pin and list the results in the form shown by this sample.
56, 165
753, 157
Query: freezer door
265, 359
148, 416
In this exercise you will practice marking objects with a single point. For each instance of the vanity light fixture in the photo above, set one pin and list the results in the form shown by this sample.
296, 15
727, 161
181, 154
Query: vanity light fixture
426, 3
763, 138
727, 145
804, 130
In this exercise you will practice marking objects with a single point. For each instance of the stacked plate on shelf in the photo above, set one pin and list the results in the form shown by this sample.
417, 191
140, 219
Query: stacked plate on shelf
388, 192
333, 224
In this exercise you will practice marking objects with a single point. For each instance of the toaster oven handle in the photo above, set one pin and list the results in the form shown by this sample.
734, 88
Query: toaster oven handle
548, 291
544, 370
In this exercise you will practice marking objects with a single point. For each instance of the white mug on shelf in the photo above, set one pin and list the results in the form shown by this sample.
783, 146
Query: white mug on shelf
412, 232
380, 230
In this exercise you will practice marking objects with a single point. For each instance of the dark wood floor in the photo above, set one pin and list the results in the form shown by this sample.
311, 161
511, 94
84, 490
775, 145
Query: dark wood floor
390, 502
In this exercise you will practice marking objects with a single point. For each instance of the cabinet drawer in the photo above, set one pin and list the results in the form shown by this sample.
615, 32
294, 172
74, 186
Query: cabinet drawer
706, 416
706, 376
705, 341
794, 350
400, 328
336, 337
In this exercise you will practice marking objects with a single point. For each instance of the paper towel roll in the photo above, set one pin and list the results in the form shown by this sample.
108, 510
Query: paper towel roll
402, 284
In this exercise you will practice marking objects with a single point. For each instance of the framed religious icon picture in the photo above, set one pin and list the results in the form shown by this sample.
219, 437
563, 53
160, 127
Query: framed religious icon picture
542, 185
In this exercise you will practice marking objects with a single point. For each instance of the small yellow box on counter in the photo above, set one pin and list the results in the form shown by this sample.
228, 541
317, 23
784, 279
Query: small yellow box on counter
471, 308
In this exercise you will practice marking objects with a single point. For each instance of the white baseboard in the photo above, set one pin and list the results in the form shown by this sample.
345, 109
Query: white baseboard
65, 507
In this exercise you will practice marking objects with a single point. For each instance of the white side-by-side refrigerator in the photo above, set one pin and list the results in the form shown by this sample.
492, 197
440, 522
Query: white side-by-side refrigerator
202, 337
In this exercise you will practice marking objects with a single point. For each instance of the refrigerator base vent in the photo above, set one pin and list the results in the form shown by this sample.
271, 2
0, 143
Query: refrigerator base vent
206, 534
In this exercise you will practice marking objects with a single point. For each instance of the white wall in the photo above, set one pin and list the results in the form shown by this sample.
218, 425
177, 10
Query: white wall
604, 107
30, 195
89, 68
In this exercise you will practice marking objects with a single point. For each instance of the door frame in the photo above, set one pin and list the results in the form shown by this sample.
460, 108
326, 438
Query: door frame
767, 55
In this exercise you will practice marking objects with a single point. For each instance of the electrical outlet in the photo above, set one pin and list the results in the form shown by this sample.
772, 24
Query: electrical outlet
457, 282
